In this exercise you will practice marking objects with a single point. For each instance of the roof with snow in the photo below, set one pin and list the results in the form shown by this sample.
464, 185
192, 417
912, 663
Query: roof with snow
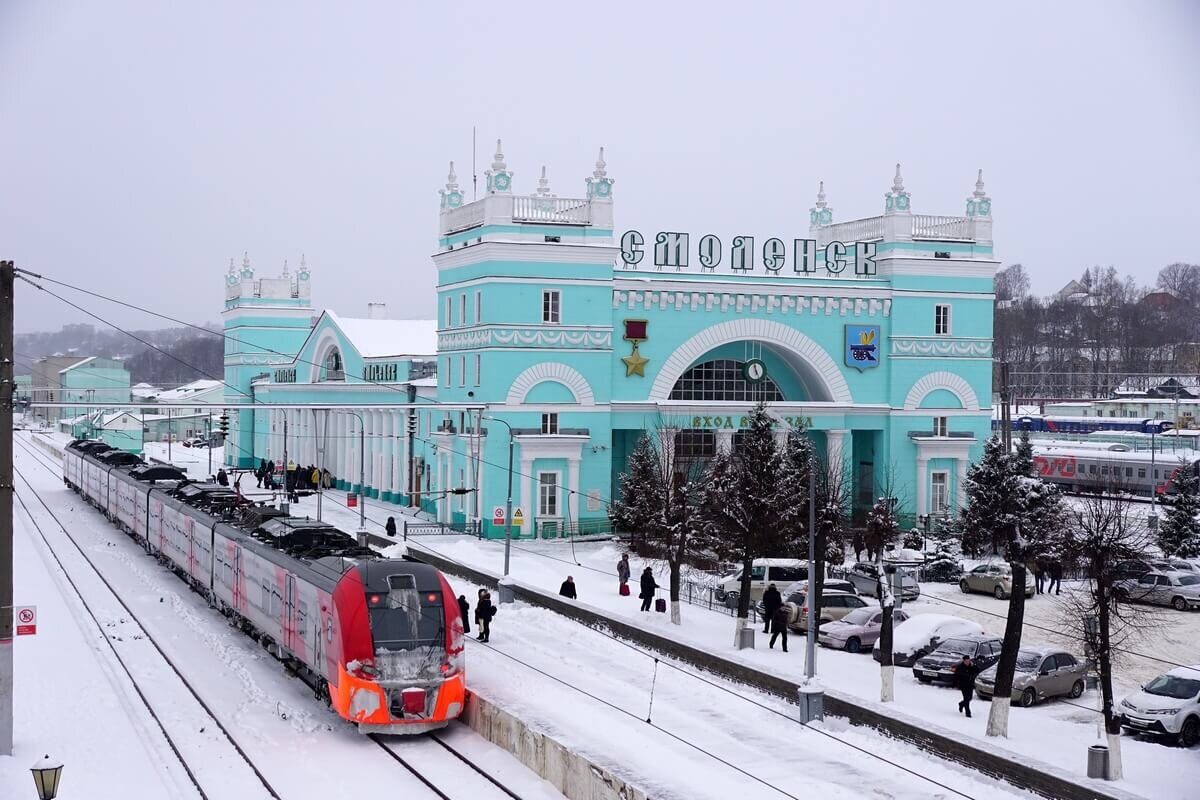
379, 338
187, 391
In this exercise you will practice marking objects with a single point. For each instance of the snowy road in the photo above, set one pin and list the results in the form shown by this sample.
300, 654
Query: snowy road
302, 748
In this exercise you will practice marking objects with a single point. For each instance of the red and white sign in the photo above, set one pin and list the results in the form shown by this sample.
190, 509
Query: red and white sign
26, 620
498, 515
352, 500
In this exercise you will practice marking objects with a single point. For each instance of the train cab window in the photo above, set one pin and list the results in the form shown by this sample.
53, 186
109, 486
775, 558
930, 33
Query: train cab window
407, 618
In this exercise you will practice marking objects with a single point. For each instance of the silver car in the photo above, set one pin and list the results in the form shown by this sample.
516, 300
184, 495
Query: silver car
1042, 673
857, 630
994, 579
1180, 590
865, 577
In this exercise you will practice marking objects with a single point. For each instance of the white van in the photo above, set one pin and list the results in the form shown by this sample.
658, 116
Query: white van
763, 572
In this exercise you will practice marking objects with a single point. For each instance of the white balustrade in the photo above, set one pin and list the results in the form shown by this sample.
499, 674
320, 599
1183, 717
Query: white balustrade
463, 217
560, 210
928, 226
856, 230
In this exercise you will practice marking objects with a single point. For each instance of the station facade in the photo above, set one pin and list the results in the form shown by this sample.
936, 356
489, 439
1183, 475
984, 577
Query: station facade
875, 334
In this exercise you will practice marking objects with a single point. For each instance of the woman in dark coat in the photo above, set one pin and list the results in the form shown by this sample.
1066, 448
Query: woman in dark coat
568, 588
649, 586
464, 608
779, 625
484, 611
391, 531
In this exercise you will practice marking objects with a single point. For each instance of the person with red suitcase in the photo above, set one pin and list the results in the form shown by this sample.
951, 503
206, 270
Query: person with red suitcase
649, 586
623, 573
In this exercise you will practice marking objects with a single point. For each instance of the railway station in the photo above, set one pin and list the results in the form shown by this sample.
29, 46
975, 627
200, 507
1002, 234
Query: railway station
574, 336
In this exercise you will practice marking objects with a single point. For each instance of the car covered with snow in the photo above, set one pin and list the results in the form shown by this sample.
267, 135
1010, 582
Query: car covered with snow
857, 630
1168, 705
922, 633
1180, 590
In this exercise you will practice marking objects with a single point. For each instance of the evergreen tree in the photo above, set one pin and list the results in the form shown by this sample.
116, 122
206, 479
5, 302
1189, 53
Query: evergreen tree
992, 501
638, 508
1179, 534
882, 527
1023, 457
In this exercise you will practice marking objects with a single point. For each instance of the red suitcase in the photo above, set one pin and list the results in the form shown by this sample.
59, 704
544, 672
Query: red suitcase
660, 605
624, 590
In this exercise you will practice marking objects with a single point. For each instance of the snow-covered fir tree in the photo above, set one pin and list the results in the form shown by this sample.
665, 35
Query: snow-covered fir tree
993, 501
1179, 534
638, 508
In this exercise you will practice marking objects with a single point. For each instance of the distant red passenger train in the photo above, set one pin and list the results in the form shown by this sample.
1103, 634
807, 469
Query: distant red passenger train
380, 639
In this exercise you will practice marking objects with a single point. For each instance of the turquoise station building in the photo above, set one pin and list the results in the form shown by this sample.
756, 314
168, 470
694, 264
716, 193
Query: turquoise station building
574, 337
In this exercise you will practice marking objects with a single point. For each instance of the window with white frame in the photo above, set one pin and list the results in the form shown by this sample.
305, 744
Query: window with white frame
940, 499
478, 307
548, 494
462, 371
478, 368
462, 309
449, 312
550, 423
551, 305
446, 381
940, 426
941, 319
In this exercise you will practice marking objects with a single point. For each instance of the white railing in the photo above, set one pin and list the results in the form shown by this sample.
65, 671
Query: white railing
463, 217
857, 230
558, 210
928, 226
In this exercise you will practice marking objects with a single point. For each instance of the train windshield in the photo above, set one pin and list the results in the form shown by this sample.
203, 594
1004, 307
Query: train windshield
406, 618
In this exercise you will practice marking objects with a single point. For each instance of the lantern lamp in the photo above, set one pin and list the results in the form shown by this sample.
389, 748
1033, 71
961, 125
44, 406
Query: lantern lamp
46, 773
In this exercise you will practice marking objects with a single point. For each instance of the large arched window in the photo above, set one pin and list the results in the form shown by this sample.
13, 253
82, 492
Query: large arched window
722, 379
332, 368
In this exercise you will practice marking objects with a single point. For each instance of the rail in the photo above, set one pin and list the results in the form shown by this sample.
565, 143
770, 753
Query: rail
463, 217
553, 210
441, 529
855, 230
928, 226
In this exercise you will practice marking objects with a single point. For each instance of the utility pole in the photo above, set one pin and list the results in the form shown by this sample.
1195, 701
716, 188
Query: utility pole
284, 507
208, 440
6, 508
1006, 410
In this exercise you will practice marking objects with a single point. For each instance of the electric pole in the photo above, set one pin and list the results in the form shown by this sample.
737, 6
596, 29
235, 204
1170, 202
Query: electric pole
6, 507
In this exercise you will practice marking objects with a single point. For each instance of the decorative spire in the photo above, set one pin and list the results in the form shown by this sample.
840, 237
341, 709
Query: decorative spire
303, 273
821, 213
543, 187
285, 268
245, 259
979, 204
451, 180
452, 196
599, 186
499, 177
897, 200
231, 267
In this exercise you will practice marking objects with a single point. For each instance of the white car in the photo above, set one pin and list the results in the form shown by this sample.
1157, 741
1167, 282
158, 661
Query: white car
1168, 705
922, 633
763, 572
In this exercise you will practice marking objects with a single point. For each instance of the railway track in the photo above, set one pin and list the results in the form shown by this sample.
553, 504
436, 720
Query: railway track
440, 768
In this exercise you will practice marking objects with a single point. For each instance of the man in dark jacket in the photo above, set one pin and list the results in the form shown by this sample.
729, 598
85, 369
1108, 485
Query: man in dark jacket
484, 611
649, 586
464, 608
390, 527
771, 600
222, 477
779, 625
964, 679
568, 588
1055, 577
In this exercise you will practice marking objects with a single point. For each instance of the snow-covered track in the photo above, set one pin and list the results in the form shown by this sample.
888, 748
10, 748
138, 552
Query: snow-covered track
216, 764
431, 760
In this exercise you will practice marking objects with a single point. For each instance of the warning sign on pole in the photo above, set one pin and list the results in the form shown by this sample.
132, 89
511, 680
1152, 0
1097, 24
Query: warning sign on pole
518, 517
351, 500
498, 515
26, 620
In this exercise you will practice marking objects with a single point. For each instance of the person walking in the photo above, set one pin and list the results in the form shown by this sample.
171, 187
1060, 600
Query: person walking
771, 601
623, 573
964, 679
464, 608
390, 527
1039, 573
484, 611
222, 477
1055, 570
649, 586
261, 472
779, 626
315, 478
568, 588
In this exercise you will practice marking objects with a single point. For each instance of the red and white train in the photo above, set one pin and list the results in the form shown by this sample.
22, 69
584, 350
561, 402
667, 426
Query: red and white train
1095, 468
381, 639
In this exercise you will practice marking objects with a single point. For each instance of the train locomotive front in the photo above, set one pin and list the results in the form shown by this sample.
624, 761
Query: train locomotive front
401, 668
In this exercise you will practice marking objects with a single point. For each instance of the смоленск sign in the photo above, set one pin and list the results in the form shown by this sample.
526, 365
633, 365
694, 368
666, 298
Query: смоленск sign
673, 249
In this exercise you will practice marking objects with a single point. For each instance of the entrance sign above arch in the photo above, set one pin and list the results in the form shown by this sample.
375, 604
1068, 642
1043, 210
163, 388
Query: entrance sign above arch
948, 381
551, 371
809, 359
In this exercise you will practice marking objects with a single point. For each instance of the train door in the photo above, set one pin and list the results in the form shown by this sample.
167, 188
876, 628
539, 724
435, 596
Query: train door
291, 611
189, 534
239, 580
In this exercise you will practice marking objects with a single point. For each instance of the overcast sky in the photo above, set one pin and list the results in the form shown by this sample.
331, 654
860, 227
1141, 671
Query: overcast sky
144, 144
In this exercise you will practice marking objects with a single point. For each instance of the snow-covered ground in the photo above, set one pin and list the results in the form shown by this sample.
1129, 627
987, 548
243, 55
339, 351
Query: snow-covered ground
74, 702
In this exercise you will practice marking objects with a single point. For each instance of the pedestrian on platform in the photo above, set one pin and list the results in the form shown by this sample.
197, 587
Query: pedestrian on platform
261, 472
391, 527
484, 611
568, 588
964, 679
222, 477
779, 626
649, 586
464, 608
1039, 574
771, 600
623, 573
314, 477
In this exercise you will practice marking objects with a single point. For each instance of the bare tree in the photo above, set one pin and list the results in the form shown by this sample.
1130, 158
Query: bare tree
1105, 532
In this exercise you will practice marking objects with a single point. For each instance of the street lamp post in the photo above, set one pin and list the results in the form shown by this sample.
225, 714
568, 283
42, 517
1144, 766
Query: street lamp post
362, 477
506, 593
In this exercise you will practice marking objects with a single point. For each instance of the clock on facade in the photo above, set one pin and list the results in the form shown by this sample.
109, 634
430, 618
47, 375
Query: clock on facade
754, 371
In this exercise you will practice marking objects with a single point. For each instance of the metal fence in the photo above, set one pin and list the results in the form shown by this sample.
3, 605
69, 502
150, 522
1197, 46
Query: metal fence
442, 529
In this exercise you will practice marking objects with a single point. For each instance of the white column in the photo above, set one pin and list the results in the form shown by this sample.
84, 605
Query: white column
389, 444
571, 501
960, 491
525, 478
372, 448
922, 485
399, 442
835, 449
343, 445
724, 441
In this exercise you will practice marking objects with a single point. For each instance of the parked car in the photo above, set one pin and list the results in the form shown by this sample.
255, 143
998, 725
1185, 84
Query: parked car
865, 577
1168, 705
834, 606
1180, 565
922, 633
798, 593
1180, 590
1132, 568
939, 665
1041, 673
994, 579
858, 629
763, 572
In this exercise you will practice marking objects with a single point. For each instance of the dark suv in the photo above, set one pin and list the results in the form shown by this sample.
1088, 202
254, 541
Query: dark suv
939, 665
